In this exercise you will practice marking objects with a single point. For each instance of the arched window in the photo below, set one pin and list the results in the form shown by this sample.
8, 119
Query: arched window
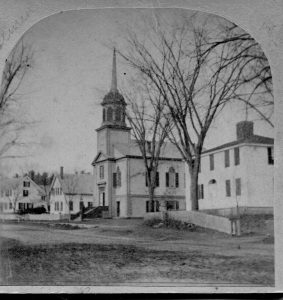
118, 114
172, 178
104, 114
110, 114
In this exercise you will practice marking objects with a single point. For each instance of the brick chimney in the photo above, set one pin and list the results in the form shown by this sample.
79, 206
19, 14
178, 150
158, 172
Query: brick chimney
62, 172
245, 130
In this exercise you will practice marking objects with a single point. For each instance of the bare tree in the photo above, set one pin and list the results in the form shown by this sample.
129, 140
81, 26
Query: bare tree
11, 124
195, 80
256, 78
146, 113
15, 192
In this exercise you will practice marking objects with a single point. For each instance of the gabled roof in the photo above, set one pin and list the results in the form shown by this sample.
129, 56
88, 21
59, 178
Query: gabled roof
76, 184
99, 155
254, 139
14, 183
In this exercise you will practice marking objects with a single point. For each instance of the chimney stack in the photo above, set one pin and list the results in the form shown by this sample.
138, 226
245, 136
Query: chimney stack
62, 172
245, 130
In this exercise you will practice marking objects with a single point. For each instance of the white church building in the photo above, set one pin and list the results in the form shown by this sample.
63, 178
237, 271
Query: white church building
236, 173
119, 171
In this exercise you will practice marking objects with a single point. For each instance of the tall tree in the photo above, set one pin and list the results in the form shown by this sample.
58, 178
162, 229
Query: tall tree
11, 124
146, 113
194, 79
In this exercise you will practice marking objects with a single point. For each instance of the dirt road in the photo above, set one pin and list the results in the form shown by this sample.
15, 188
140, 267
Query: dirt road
133, 253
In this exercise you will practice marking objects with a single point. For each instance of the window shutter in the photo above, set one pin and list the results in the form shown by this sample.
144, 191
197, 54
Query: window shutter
157, 179
167, 179
114, 179
270, 155
146, 182
177, 180
147, 206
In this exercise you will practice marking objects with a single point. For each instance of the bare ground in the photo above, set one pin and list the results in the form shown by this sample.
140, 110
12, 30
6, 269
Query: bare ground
125, 252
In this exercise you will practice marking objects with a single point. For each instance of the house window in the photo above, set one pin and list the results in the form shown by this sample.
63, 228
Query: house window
238, 186
71, 205
211, 162
172, 205
227, 158
237, 156
200, 191
89, 204
25, 193
270, 155
61, 206
26, 184
10, 205
172, 178
101, 172
228, 188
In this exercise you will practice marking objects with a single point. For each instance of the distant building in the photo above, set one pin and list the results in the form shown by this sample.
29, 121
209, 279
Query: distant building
69, 193
119, 172
20, 194
237, 173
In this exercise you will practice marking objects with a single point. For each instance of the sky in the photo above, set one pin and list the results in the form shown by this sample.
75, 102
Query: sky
70, 74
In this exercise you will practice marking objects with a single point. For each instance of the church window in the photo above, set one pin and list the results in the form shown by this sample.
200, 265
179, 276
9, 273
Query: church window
270, 155
172, 178
110, 114
119, 182
118, 114
104, 114
101, 172
114, 180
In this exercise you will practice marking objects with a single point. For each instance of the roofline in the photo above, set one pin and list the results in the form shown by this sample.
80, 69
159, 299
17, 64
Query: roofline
136, 157
236, 144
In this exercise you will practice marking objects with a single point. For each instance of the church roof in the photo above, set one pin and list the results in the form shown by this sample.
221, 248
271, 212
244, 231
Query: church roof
169, 151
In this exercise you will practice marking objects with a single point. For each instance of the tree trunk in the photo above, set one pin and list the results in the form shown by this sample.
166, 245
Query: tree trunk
194, 190
151, 199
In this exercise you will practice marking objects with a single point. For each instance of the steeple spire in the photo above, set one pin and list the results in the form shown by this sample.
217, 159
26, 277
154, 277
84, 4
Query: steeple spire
114, 73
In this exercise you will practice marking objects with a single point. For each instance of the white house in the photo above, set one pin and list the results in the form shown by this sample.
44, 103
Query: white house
71, 192
19, 194
237, 173
118, 168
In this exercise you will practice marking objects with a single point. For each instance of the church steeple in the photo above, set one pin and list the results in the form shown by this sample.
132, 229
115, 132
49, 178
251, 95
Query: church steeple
113, 103
114, 73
